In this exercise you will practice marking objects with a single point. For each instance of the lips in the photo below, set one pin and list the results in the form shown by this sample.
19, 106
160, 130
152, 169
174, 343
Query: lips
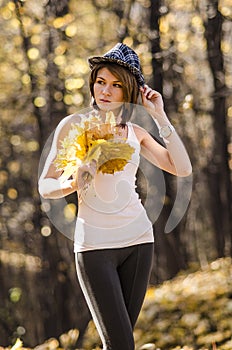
104, 101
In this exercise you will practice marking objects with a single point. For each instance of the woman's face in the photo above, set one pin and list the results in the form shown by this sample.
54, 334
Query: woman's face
108, 91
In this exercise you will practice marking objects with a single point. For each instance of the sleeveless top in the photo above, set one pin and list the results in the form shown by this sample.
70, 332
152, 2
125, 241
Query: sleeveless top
110, 214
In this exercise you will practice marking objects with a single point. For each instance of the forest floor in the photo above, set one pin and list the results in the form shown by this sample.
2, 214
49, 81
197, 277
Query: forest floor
190, 312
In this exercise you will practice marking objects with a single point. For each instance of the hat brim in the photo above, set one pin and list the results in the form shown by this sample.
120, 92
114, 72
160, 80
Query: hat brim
137, 73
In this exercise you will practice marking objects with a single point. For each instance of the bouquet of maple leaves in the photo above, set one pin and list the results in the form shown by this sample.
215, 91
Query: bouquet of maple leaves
89, 140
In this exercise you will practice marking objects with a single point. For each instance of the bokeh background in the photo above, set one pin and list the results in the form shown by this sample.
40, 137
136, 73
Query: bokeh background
185, 48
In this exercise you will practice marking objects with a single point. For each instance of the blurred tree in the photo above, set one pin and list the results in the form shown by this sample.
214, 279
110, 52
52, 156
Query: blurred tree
60, 304
218, 171
169, 251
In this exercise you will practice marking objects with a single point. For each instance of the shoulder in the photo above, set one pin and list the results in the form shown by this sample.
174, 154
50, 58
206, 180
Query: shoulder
65, 125
67, 122
140, 132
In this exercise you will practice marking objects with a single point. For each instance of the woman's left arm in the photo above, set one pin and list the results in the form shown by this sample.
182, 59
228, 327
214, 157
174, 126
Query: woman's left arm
174, 158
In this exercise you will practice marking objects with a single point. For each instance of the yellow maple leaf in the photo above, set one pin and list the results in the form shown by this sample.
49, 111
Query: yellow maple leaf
110, 118
18, 344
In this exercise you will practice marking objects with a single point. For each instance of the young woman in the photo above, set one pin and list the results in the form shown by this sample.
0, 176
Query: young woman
113, 238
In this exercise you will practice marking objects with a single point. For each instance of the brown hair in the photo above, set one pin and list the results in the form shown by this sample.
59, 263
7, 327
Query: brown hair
129, 85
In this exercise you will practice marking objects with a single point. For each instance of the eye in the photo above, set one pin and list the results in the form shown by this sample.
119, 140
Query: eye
118, 85
101, 82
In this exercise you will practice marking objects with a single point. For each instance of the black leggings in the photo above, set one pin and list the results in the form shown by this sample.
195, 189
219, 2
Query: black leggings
114, 283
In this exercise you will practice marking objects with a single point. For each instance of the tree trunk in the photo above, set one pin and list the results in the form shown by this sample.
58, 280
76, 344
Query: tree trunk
218, 171
168, 246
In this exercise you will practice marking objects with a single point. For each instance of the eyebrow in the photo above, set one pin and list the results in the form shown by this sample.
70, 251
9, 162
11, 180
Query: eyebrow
114, 81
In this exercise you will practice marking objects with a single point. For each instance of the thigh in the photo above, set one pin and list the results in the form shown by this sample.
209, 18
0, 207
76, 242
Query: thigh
134, 274
98, 277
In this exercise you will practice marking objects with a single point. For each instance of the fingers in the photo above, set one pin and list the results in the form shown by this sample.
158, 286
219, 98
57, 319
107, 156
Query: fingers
152, 100
90, 168
149, 93
85, 174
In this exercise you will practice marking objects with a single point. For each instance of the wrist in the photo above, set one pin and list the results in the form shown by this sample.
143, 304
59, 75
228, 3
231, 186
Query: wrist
163, 123
160, 118
166, 131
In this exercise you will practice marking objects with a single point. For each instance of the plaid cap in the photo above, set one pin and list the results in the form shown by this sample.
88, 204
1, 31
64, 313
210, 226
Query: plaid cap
124, 56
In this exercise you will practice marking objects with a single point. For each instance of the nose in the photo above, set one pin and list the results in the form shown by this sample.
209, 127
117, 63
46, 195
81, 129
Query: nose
106, 90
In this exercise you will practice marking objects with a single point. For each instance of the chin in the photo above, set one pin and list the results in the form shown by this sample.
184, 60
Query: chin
111, 106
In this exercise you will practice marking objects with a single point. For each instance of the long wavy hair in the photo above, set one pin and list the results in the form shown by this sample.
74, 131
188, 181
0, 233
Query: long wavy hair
129, 85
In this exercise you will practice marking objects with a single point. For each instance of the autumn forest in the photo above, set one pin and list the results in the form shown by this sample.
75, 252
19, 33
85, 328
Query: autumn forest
185, 48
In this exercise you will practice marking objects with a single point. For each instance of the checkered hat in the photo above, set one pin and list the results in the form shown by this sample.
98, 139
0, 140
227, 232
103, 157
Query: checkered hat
124, 56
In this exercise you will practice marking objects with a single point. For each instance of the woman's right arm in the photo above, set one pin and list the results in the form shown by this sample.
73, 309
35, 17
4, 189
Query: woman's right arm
50, 185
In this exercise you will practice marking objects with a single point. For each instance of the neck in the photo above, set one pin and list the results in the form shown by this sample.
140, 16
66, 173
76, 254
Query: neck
117, 113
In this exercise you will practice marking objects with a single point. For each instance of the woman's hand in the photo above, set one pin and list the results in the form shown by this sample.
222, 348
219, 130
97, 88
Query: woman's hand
152, 101
85, 174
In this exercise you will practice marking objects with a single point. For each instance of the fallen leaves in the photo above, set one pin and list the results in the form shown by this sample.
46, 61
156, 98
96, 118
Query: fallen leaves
195, 309
190, 312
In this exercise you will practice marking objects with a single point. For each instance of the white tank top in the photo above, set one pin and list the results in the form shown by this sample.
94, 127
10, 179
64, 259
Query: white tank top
111, 214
